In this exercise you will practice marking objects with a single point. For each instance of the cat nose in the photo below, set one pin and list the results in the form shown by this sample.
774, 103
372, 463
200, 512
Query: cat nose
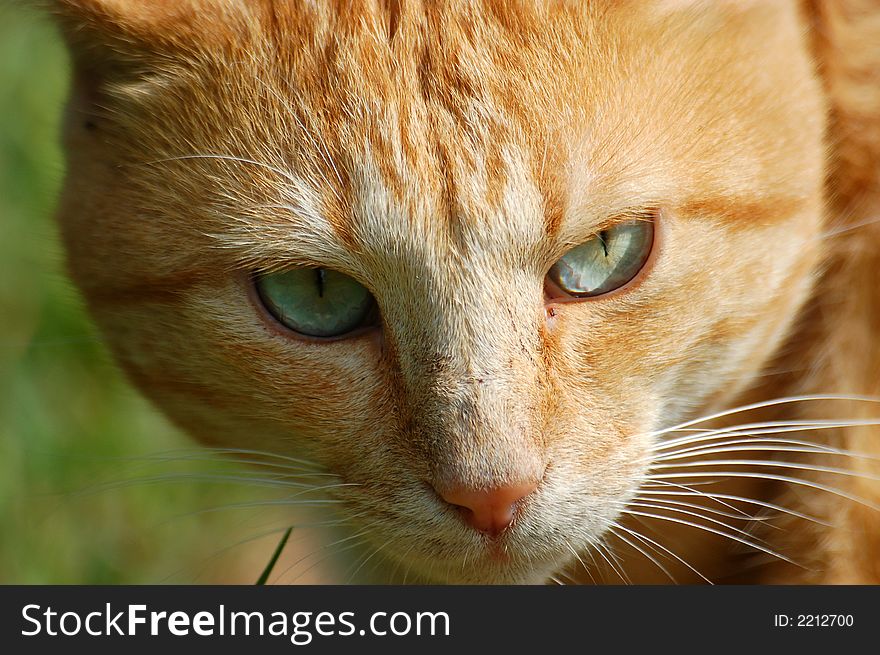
489, 510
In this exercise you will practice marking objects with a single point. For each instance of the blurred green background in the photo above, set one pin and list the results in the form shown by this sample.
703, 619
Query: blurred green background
80, 501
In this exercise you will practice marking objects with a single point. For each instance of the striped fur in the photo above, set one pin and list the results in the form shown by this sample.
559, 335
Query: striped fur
446, 154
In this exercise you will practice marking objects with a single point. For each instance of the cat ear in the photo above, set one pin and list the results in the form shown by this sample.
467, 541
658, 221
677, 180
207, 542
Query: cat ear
121, 44
110, 36
115, 15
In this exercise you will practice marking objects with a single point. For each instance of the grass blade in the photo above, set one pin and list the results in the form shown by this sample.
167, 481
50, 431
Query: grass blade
271, 565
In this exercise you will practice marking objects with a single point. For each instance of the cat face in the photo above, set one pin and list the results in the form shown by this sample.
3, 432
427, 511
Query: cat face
484, 423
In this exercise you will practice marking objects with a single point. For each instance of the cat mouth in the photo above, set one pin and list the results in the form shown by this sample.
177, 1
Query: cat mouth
504, 559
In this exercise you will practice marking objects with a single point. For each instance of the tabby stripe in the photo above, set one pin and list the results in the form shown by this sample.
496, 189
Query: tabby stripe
742, 212
165, 289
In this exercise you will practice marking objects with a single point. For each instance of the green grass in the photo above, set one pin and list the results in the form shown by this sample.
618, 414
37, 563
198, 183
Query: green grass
68, 420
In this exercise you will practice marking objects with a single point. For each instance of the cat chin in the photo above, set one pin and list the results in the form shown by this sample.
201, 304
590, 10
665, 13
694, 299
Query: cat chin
495, 575
478, 572
500, 578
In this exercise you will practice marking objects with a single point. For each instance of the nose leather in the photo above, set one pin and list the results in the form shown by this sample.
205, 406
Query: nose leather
489, 511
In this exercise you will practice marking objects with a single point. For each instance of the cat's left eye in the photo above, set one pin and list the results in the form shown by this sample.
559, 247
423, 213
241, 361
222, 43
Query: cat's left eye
317, 302
606, 262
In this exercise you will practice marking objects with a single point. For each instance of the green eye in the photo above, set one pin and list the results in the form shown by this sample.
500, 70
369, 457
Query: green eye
604, 263
316, 302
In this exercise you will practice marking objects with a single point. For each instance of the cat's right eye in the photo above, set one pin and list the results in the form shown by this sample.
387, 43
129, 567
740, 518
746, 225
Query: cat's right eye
316, 302
604, 263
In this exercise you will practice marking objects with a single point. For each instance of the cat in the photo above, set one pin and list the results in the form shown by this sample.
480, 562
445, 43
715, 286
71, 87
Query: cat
552, 291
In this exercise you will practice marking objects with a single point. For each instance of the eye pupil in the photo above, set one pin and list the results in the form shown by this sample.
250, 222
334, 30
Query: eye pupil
603, 235
319, 279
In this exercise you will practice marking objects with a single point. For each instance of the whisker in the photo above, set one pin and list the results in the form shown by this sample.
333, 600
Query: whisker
375, 552
602, 548
300, 532
249, 481
717, 475
740, 516
638, 549
204, 455
656, 504
770, 506
221, 551
320, 149
401, 560
655, 544
361, 533
747, 445
596, 568
766, 403
335, 552
263, 453
230, 158
751, 429
696, 492
848, 228
578, 557
745, 542
771, 464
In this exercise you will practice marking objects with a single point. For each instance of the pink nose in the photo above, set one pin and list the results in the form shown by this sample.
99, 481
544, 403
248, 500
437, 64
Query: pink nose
488, 510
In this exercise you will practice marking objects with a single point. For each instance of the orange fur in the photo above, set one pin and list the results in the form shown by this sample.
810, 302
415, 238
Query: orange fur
446, 155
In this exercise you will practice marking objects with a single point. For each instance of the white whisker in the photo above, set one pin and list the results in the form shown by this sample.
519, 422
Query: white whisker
250, 481
264, 453
747, 445
328, 547
656, 504
760, 503
745, 542
740, 516
578, 557
690, 491
768, 463
655, 544
752, 429
766, 403
848, 228
230, 158
602, 549
638, 549
375, 552
334, 552
718, 475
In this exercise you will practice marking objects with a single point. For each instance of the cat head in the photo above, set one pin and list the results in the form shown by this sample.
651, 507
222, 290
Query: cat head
467, 257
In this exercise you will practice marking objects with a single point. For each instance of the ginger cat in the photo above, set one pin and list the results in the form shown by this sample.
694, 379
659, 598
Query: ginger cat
551, 291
